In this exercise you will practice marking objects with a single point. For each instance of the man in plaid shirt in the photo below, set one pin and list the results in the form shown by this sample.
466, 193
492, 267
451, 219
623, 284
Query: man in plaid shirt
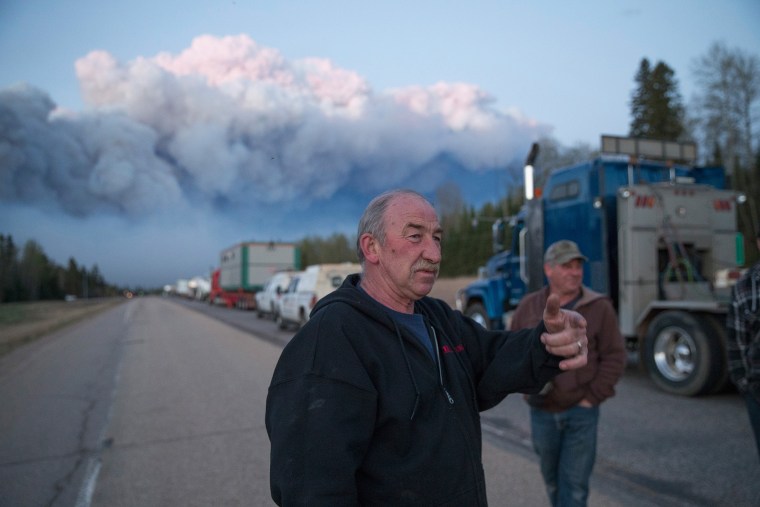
743, 324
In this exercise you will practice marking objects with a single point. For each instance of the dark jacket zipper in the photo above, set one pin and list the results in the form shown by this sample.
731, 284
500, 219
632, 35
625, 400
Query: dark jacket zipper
440, 370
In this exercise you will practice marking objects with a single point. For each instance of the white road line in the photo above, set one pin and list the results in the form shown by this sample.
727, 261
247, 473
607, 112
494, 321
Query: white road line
84, 498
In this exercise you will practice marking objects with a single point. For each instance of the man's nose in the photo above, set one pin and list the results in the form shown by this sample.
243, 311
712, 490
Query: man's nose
432, 252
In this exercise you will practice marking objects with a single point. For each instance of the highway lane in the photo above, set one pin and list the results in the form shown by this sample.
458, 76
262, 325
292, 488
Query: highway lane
188, 421
149, 403
55, 400
155, 403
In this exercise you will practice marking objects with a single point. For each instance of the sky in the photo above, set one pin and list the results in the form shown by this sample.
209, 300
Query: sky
144, 137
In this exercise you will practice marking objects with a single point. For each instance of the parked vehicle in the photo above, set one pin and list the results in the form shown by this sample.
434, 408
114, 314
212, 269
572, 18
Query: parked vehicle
289, 294
246, 267
662, 241
309, 287
199, 288
267, 299
182, 288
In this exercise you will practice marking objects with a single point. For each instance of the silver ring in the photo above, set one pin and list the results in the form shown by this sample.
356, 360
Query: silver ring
580, 347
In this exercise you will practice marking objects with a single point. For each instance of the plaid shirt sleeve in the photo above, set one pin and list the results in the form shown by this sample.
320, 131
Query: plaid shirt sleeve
743, 326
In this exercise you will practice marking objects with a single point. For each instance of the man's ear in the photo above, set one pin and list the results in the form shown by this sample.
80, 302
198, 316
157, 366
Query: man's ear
370, 247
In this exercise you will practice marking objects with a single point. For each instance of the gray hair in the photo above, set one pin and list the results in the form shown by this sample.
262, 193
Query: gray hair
373, 220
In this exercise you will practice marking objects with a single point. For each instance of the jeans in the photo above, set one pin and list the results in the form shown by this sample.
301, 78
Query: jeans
566, 445
753, 409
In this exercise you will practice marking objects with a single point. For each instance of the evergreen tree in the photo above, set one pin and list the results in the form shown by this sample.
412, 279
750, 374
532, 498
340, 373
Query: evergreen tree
32, 271
72, 282
96, 282
9, 281
657, 110
336, 248
640, 100
34, 276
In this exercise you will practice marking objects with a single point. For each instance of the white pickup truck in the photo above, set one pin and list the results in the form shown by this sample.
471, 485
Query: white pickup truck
267, 299
307, 288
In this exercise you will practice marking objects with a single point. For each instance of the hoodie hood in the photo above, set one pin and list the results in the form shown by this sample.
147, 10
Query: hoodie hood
350, 293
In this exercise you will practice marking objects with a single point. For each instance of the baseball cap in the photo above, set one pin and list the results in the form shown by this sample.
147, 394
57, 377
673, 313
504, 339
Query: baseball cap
563, 251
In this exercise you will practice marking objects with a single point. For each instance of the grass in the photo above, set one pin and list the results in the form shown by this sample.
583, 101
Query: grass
12, 313
22, 323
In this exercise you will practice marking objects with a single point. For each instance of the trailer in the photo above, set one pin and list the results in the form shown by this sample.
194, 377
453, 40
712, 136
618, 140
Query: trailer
246, 267
661, 239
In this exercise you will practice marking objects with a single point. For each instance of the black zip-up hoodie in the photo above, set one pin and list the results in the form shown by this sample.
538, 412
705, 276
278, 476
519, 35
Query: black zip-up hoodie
359, 413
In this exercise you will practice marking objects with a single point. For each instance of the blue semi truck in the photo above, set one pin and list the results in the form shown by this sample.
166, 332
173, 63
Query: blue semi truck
661, 239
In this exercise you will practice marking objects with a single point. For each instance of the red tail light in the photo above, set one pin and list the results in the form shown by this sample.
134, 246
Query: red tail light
734, 274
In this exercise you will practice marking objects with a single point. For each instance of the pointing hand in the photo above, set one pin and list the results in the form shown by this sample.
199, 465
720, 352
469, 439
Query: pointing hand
566, 334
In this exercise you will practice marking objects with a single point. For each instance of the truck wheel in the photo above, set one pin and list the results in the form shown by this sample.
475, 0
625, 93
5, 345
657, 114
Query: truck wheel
680, 356
477, 312
717, 330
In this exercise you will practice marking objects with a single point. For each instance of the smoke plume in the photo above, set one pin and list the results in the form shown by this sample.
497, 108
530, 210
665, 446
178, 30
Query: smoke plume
228, 124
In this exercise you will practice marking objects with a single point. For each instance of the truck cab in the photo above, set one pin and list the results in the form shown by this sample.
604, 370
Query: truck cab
499, 286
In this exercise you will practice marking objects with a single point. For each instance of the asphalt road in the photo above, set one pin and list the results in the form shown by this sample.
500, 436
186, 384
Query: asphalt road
155, 403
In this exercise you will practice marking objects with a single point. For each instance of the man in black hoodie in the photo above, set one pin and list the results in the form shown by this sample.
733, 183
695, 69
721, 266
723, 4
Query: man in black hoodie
377, 399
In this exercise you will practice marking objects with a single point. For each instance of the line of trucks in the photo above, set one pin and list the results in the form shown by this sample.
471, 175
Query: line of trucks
267, 277
245, 268
661, 238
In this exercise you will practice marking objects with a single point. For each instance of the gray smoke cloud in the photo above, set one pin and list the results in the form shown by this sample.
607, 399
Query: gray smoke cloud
230, 123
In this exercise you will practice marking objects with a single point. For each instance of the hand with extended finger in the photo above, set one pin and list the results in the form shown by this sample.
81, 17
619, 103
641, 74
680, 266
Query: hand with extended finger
566, 334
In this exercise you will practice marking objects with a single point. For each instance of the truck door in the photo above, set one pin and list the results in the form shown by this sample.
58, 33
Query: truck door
570, 213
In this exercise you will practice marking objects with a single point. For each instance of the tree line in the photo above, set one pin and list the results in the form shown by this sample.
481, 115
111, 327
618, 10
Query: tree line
28, 274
